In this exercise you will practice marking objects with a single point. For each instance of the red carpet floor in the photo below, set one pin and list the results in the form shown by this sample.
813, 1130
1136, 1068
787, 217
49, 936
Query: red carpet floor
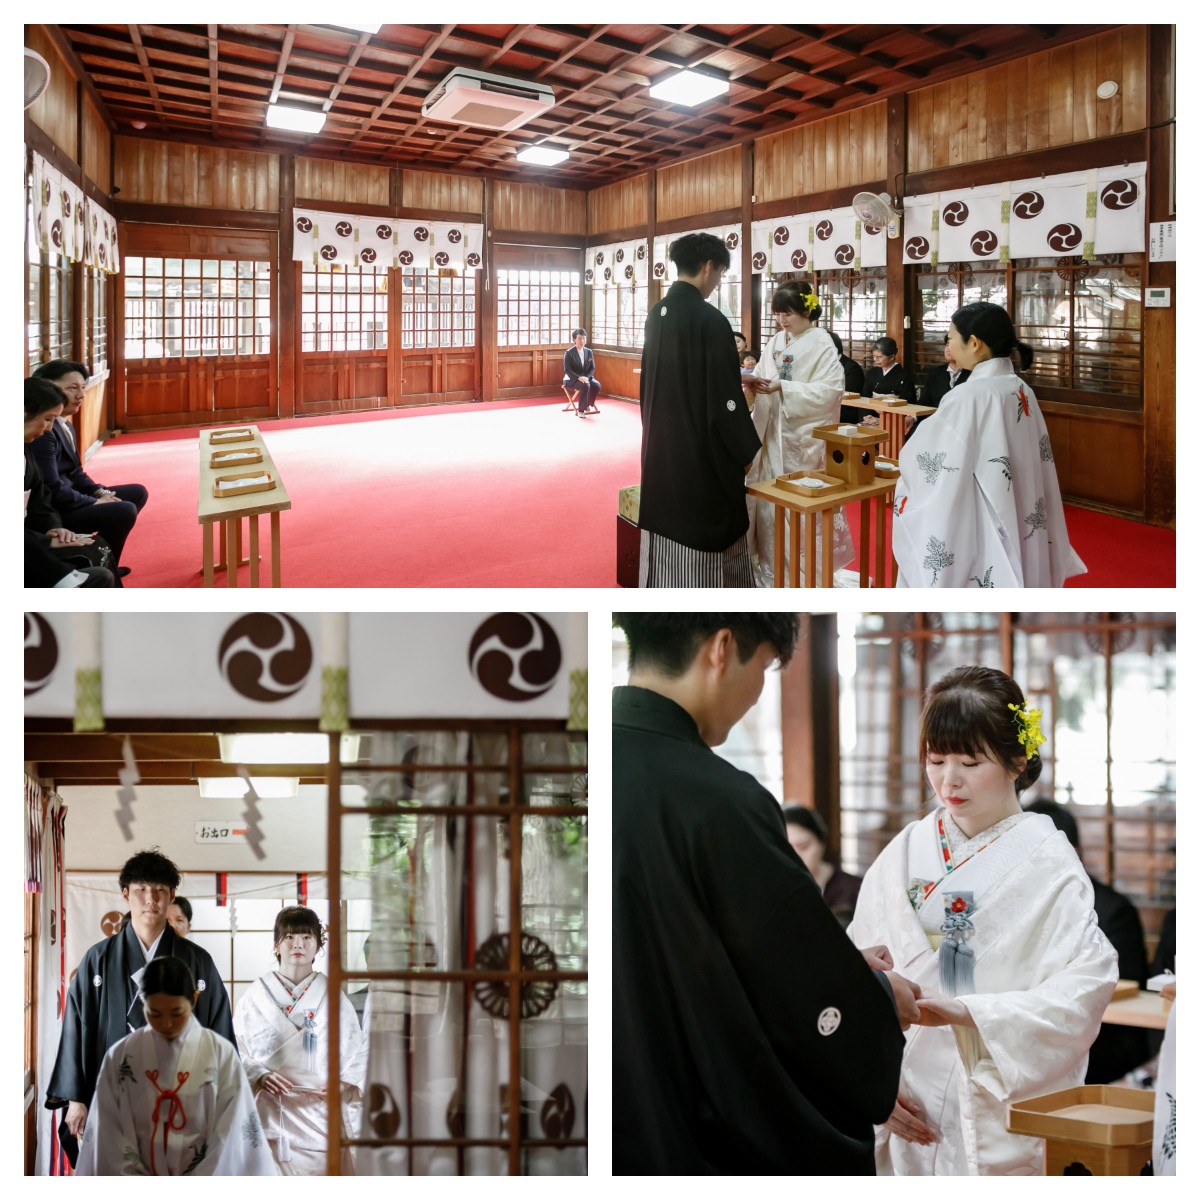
510, 494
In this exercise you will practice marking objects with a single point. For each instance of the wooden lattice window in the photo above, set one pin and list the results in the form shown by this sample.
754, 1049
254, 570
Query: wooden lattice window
437, 309
193, 307
537, 308
95, 320
344, 310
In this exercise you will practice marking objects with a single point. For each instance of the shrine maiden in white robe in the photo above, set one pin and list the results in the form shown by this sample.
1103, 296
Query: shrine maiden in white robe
1043, 974
978, 503
273, 1040
181, 1107
810, 375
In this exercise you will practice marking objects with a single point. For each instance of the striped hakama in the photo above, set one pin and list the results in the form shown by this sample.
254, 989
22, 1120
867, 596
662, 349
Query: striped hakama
664, 563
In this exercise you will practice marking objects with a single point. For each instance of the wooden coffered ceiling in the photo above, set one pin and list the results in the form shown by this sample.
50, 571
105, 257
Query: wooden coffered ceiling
212, 84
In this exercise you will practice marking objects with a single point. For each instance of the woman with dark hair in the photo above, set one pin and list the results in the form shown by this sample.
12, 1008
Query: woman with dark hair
172, 1098
798, 386
282, 1027
808, 835
978, 501
45, 534
989, 910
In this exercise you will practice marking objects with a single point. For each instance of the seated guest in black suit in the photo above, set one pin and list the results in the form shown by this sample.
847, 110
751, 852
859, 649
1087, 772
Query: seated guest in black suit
887, 376
579, 371
85, 505
855, 382
44, 532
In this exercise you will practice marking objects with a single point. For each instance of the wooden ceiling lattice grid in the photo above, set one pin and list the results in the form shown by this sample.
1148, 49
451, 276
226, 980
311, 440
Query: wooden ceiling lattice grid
213, 83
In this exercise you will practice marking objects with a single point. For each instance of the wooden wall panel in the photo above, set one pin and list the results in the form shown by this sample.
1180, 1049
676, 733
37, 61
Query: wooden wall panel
344, 182
1045, 100
54, 113
700, 185
97, 142
154, 172
1086, 444
442, 193
616, 375
538, 208
621, 205
820, 156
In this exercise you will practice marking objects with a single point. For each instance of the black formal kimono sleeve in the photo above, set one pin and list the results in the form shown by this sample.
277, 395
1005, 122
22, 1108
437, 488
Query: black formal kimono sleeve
730, 424
829, 1021
74, 1073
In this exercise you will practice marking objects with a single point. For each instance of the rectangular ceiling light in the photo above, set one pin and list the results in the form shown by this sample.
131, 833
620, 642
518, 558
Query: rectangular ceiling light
231, 787
690, 88
542, 156
245, 748
299, 120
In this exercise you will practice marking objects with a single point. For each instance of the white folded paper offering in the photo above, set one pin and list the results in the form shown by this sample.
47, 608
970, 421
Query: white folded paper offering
807, 482
240, 483
237, 456
882, 466
847, 429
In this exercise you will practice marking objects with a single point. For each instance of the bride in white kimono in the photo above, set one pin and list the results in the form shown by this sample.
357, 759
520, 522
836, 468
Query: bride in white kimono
282, 1026
798, 383
978, 502
172, 1098
987, 909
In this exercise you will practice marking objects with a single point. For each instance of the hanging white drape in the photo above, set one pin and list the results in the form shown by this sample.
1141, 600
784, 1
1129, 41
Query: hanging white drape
331, 241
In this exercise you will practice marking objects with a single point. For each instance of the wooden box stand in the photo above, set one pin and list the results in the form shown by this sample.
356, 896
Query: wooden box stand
225, 437
1093, 1129
237, 457
851, 456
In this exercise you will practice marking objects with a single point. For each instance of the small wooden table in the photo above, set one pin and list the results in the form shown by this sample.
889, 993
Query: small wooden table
891, 417
805, 511
229, 511
1146, 1010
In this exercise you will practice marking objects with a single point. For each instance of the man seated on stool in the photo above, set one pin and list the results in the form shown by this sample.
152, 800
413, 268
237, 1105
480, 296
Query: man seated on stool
579, 369
84, 505
887, 376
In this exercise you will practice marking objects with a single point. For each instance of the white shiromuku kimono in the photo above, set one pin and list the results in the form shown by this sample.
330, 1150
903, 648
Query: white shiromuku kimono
978, 502
181, 1107
1043, 974
270, 1025
810, 375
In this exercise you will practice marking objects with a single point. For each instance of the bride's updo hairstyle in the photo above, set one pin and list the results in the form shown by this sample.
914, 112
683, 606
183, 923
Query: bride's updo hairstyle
791, 297
966, 712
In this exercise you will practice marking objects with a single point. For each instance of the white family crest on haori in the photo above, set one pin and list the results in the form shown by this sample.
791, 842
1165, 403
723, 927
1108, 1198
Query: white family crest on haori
181, 1107
1039, 976
978, 502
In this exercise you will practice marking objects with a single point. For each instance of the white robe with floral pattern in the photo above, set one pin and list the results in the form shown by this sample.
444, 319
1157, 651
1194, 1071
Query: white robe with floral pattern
978, 502
1043, 975
812, 381
209, 1125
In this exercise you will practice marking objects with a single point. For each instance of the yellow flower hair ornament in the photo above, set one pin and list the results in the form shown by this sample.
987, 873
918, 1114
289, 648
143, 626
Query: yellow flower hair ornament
810, 302
1029, 728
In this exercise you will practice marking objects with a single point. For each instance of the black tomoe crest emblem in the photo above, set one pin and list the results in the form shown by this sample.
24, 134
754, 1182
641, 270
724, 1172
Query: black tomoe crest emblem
515, 656
265, 656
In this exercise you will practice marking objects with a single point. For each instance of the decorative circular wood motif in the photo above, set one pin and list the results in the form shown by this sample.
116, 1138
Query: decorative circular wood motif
1122, 639
536, 994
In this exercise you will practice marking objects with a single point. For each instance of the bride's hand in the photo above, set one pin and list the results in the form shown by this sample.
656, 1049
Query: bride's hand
906, 1122
941, 1010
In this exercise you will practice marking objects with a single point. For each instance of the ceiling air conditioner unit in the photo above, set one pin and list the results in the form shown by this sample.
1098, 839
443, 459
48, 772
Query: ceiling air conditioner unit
468, 97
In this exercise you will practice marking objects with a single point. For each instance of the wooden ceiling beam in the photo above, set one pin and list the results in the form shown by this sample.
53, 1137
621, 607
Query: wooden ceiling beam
110, 747
136, 37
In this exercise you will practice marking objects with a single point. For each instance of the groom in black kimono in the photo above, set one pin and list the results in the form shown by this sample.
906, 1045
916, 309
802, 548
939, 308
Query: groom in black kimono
750, 1037
104, 1002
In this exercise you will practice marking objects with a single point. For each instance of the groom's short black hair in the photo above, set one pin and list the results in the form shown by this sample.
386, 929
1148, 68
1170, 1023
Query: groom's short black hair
149, 866
669, 642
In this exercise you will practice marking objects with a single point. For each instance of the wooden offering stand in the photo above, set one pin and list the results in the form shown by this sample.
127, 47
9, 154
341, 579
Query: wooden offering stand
1093, 1129
851, 456
242, 456
241, 484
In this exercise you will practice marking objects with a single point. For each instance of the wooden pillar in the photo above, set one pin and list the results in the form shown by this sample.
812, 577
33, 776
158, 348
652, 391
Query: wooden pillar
287, 342
809, 719
897, 166
487, 317
748, 306
1158, 349
654, 288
